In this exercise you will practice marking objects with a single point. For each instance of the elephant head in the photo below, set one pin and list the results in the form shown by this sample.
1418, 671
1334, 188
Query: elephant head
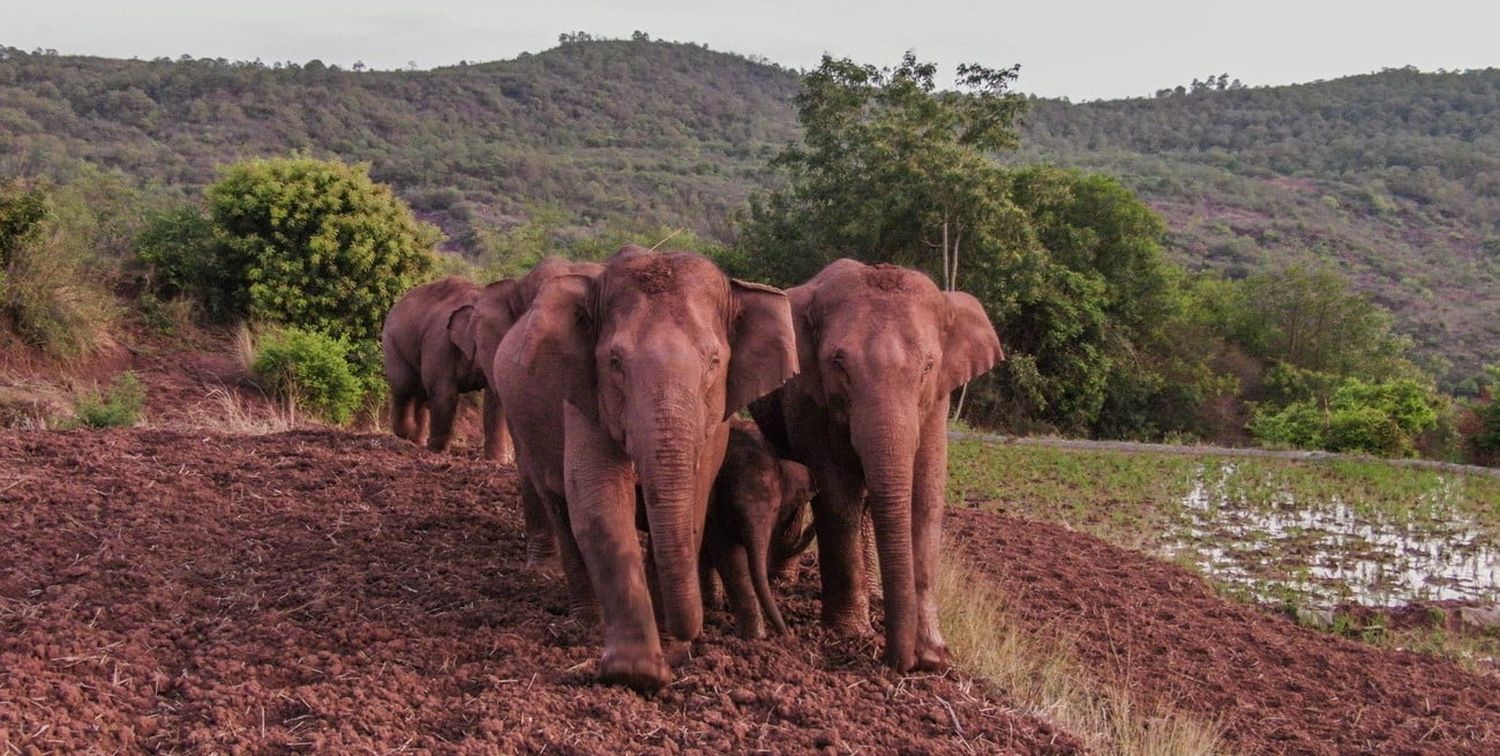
660, 349
478, 328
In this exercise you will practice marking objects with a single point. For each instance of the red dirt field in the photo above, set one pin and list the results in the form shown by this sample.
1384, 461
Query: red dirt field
326, 591
1275, 686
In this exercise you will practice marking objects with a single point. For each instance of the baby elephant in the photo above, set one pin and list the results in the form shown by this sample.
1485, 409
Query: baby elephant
755, 519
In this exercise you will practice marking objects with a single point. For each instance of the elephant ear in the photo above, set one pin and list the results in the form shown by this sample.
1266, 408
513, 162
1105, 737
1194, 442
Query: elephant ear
461, 331
557, 336
804, 323
762, 344
972, 346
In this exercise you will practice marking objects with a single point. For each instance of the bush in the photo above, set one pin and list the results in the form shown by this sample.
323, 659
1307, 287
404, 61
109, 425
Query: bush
174, 253
1369, 430
1299, 425
1384, 418
313, 244
119, 408
312, 369
48, 297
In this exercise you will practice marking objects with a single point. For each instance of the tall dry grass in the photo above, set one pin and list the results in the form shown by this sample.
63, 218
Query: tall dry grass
1041, 675
228, 411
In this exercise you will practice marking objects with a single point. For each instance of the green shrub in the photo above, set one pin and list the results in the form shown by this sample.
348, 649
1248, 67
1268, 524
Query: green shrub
1384, 418
120, 407
49, 297
1299, 425
1369, 430
313, 244
174, 255
313, 370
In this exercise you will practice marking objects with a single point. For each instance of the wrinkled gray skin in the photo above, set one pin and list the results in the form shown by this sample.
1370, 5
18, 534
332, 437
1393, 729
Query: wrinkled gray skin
881, 350
626, 379
754, 521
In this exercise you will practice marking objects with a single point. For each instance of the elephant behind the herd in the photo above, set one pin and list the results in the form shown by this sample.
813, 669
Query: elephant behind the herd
623, 377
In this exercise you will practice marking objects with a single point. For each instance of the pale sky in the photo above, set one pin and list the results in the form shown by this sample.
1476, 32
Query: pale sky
1083, 50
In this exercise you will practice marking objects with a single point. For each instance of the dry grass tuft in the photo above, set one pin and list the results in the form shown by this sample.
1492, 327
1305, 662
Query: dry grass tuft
227, 411
243, 346
1041, 676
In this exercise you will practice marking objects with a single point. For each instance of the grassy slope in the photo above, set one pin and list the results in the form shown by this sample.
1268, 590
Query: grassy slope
1391, 177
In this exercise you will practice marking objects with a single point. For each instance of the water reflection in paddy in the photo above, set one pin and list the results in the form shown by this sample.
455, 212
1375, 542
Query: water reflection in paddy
1328, 552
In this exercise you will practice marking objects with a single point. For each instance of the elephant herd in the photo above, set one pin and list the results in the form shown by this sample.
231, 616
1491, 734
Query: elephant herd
620, 383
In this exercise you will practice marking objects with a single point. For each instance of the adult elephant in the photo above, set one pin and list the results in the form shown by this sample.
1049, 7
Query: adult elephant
428, 372
626, 379
881, 350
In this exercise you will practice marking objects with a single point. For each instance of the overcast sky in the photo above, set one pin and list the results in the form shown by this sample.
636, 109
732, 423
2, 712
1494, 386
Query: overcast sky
1083, 50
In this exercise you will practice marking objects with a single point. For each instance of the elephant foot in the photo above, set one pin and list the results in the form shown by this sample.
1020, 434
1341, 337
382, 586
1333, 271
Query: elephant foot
585, 615
750, 630
934, 658
543, 562
638, 668
849, 624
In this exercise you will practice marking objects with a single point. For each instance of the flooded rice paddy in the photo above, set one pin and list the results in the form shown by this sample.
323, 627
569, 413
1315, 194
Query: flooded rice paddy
1329, 548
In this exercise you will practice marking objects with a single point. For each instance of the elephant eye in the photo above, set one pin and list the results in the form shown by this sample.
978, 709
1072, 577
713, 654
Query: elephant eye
837, 360
615, 363
927, 366
714, 361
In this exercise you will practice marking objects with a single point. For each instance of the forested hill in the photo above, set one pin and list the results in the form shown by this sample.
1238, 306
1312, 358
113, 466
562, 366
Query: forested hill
609, 130
1393, 177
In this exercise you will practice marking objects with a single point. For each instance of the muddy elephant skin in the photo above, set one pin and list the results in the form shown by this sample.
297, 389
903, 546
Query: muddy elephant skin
755, 525
626, 379
881, 350
427, 371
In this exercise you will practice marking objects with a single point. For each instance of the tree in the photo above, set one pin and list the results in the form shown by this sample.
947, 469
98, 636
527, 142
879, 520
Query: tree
1069, 266
314, 244
889, 169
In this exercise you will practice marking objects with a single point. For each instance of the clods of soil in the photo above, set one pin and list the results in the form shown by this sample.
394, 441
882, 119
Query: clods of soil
334, 592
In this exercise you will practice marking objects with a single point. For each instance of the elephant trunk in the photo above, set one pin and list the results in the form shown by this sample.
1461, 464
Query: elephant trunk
667, 459
885, 439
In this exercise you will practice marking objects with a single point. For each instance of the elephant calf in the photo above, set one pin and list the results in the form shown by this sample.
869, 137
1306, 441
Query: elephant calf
755, 521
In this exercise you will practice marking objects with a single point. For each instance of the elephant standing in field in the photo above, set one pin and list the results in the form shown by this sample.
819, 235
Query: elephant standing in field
755, 524
428, 371
627, 378
881, 350
439, 342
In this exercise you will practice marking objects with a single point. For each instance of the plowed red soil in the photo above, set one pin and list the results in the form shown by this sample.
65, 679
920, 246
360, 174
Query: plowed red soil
179, 591
1276, 687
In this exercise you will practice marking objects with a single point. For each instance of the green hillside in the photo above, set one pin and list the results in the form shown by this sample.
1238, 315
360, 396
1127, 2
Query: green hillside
1392, 177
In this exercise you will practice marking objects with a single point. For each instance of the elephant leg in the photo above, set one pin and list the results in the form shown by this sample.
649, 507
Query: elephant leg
734, 569
541, 547
929, 481
838, 511
601, 505
707, 587
404, 415
583, 606
443, 404
497, 445
756, 549
419, 419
